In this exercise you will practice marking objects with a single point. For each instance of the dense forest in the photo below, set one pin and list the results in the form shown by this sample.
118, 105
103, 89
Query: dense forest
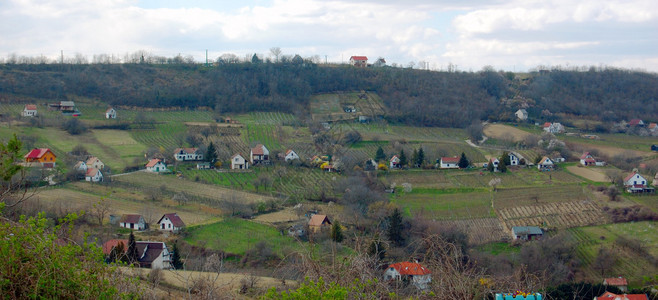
416, 97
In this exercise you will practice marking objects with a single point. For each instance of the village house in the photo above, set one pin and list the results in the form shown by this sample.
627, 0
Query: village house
238, 162
290, 155
636, 123
526, 233
204, 165
521, 114
170, 222
110, 113
156, 165
30, 110
318, 223
635, 183
132, 222
394, 163
94, 162
545, 164
81, 166
619, 282
260, 155
93, 175
186, 154
588, 160
553, 127
494, 163
449, 163
359, 61
653, 127
380, 62
611, 296
415, 273
41, 156
514, 159
154, 255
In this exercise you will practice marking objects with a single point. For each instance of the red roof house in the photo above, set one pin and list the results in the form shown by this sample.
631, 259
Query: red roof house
415, 272
611, 296
635, 122
171, 222
619, 282
359, 61
42, 156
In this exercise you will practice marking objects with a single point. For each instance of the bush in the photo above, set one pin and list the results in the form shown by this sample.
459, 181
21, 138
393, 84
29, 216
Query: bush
74, 126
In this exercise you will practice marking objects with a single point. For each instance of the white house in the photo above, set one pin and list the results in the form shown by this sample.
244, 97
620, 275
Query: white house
110, 113
156, 165
94, 162
184, 154
635, 183
545, 164
553, 127
93, 175
30, 110
495, 163
81, 166
449, 163
587, 160
260, 154
415, 273
359, 61
514, 159
521, 114
238, 162
394, 162
132, 222
291, 155
171, 222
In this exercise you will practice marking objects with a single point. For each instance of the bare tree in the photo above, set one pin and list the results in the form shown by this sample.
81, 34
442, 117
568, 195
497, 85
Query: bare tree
276, 52
101, 209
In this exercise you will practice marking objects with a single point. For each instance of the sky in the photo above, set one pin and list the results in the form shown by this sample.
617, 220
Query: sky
467, 35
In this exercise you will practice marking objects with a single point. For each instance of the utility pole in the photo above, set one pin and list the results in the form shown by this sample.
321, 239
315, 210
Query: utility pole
61, 61
325, 59
206, 57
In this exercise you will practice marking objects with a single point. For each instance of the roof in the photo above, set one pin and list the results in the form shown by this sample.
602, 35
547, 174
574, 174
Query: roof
91, 172
629, 176
449, 159
30, 107
186, 150
359, 58
289, 151
609, 295
522, 110
236, 155
92, 160
617, 281
409, 268
175, 219
109, 110
395, 157
585, 155
107, 246
653, 125
153, 162
153, 249
318, 220
526, 230
635, 122
547, 124
130, 218
259, 149
37, 153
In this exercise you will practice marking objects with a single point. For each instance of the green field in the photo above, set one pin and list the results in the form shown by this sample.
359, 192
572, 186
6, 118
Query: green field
445, 204
236, 236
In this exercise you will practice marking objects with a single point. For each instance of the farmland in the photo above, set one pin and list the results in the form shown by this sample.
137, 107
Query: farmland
505, 132
442, 205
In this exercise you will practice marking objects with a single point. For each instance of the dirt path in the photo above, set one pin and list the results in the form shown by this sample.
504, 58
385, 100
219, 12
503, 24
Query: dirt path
591, 173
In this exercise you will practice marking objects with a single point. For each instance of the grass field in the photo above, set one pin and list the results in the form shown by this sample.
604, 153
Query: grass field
505, 132
236, 236
513, 197
445, 205
593, 174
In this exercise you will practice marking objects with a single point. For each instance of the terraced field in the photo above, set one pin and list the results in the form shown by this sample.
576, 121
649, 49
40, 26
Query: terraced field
445, 205
554, 215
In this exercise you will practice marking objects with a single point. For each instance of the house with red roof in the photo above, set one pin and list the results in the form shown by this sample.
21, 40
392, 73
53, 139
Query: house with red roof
154, 255
30, 110
260, 155
156, 165
636, 123
185, 154
587, 159
171, 222
110, 113
449, 163
93, 175
318, 222
611, 296
136, 222
620, 282
653, 127
635, 183
359, 61
394, 163
41, 156
290, 155
417, 274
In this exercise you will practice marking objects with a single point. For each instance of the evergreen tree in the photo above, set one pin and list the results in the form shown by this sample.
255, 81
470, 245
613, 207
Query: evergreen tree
414, 158
336, 232
403, 159
175, 258
117, 253
380, 155
463, 161
395, 228
505, 159
211, 153
132, 256
377, 248
490, 166
421, 157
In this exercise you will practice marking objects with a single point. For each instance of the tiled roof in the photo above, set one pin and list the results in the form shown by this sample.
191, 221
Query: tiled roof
186, 150
359, 58
130, 219
174, 218
152, 162
258, 150
629, 176
317, 220
91, 172
611, 296
30, 107
92, 160
409, 268
449, 159
37, 153
616, 281
585, 155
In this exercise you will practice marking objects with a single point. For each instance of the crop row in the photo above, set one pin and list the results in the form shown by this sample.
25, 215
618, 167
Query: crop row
481, 230
562, 215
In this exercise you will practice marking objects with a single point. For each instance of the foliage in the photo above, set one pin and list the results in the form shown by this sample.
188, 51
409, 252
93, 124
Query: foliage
9, 155
420, 159
403, 159
175, 257
579, 290
132, 256
336, 232
463, 161
74, 126
377, 248
310, 290
39, 262
395, 228
380, 155
211, 153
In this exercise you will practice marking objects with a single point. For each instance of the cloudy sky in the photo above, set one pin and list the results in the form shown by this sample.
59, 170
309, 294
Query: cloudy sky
512, 35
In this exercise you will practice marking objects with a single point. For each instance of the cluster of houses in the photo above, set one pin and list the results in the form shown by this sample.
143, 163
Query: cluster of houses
91, 168
362, 62
588, 160
168, 222
67, 108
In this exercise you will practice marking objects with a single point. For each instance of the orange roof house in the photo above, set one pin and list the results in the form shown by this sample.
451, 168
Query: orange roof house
359, 61
318, 222
42, 156
611, 296
619, 282
415, 272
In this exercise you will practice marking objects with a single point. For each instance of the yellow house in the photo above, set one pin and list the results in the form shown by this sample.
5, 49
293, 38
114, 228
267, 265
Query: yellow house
43, 156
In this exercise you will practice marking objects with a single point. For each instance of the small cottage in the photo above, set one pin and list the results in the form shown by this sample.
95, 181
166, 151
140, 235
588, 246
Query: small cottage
521, 114
394, 163
156, 166
636, 123
41, 156
171, 222
187, 154
494, 163
94, 162
110, 113
30, 110
514, 159
545, 164
318, 223
414, 273
526, 233
132, 222
449, 162
359, 61
290, 155
587, 160
635, 183
619, 282
260, 155
93, 175
239, 163
81, 166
